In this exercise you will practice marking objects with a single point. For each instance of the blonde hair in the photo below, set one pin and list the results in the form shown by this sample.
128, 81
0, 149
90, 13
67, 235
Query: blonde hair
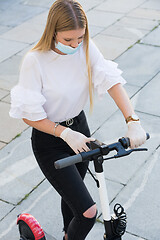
65, 15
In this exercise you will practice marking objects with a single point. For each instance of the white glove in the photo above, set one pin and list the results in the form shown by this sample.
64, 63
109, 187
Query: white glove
136, 134
77, 141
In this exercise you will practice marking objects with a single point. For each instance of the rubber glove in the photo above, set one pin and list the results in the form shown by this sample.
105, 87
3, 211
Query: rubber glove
77, 141
136, 134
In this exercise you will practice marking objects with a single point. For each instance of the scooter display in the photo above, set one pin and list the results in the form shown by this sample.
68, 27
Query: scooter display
115, 224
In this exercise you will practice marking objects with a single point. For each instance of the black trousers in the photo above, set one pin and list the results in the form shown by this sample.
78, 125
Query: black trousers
68, 181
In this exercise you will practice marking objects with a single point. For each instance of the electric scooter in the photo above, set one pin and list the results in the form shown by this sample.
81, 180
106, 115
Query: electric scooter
115, 224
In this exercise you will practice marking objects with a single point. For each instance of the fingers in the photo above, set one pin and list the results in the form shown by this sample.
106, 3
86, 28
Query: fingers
136, 134
76, 150
135, 143
86, 148
91, 139
77, 141
82, 148
87, 140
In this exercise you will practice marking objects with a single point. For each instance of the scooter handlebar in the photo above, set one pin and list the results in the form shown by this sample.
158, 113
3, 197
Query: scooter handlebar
126, 141
65, 162
68, 161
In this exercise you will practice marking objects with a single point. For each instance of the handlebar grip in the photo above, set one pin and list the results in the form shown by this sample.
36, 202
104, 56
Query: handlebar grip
65, 162
126, 141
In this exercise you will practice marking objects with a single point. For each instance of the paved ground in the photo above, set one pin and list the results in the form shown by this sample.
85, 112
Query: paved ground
127, 32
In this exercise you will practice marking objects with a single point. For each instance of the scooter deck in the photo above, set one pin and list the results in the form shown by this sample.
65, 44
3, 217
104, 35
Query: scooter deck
49, 237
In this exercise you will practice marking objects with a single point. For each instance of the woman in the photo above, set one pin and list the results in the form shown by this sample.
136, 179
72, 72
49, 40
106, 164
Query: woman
56, 77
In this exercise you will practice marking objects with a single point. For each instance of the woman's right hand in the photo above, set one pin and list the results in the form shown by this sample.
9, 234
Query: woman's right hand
77, 141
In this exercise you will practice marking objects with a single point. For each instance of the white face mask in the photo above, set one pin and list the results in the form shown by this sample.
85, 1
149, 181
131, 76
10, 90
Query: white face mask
67, 49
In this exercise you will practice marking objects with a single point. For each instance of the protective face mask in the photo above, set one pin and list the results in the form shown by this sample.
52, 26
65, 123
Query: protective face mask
67, 49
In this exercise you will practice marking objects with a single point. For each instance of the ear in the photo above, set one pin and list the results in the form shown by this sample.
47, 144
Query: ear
54, 35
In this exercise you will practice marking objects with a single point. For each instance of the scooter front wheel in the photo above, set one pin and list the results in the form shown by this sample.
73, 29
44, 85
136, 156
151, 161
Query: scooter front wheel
29, 228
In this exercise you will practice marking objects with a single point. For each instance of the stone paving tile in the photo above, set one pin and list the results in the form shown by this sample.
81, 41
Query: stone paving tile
13, 145
131, 90
9, 72
121, 6
125, 32
7, 99
94, 30
40, 3
14, 176
4, 28
26, 33
25, 50
40, 19
9, 48
140, 198
3, 93
5, 208
146, 100
2, 145
89, 4
101, 111
112, 47
7, 82
152, 4
16, 181
128, 236
153, 38
18, 13
137, 23
6, 4
102, 19
139, 64
97, 232
121, 170
145, 13
16, 125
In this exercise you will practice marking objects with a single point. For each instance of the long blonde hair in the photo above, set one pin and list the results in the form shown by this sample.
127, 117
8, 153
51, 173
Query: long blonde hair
65, 15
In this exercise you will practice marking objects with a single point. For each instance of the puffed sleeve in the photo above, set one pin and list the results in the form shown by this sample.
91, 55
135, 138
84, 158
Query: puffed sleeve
26, 98
105, 73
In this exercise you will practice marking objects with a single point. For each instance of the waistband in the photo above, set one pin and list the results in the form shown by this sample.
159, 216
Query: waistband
72, 121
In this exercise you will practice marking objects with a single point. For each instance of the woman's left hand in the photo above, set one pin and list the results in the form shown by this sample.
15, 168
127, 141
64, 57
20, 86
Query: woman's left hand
136, 134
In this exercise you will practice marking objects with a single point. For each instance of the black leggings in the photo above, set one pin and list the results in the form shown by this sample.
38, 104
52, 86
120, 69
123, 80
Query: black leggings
68, 181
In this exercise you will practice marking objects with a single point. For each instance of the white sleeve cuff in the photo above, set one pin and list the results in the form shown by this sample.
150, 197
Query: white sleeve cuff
105, 75
26, 103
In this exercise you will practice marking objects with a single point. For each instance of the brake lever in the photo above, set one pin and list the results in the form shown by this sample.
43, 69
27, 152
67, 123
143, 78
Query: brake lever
125, 153
122, 153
